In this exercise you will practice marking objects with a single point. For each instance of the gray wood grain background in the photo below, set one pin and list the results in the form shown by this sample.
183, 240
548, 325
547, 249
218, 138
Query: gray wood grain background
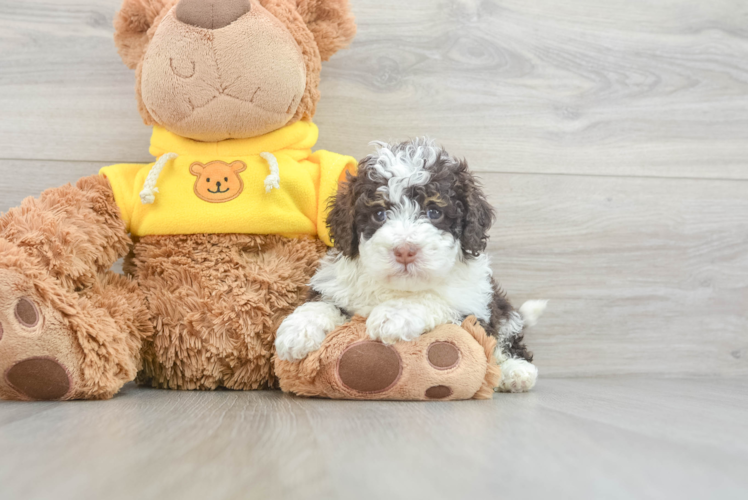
612, 137
611, 439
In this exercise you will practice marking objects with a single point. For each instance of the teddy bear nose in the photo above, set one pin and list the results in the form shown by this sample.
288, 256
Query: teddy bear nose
211, 14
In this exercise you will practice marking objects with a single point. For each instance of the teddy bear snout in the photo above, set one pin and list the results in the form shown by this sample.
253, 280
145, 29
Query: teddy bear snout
211, 14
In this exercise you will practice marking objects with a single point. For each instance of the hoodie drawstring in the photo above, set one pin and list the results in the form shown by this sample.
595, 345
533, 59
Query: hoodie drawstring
148, 194
272, 181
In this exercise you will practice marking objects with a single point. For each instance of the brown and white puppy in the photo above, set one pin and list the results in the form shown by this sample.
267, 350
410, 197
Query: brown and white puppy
410, 230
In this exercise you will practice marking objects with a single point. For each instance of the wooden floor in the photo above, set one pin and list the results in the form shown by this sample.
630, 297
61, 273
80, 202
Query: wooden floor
612, 137
603, 438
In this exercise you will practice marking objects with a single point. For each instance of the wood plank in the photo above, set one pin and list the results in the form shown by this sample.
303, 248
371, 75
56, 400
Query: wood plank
644, 275
615, 438
587, 87
20, 179
64, 92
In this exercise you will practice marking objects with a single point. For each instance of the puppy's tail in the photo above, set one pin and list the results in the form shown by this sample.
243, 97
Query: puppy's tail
531, 311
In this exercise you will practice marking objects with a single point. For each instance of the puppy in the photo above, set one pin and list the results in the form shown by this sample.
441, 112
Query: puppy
409, 232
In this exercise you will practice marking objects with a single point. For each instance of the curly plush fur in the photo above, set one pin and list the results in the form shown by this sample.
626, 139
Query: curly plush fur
218, 300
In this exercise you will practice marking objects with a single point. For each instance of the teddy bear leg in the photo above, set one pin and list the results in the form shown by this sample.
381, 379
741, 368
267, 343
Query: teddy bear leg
449, 363
217, 301
58, 345
69, 329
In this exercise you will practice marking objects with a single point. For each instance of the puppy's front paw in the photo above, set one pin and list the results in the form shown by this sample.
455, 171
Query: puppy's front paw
305, 330
391, 324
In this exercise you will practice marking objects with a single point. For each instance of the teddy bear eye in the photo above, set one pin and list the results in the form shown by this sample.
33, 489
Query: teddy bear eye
225, 179
208, 179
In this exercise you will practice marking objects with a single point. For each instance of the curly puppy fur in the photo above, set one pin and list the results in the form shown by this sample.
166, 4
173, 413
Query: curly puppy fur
409, 230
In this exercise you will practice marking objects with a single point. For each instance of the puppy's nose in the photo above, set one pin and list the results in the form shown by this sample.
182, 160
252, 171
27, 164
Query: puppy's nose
211, 14
406, 254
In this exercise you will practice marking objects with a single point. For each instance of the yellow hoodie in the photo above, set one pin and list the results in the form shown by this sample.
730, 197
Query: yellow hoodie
228, 186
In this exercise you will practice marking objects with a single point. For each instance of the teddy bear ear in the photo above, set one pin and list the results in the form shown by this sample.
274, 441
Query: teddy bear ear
131, 25
330, 21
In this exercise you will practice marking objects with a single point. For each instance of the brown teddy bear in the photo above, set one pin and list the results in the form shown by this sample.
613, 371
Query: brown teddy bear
220, 234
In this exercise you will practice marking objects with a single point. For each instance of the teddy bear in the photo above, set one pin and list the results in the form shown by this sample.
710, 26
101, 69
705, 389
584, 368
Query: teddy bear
214, 261
220, 234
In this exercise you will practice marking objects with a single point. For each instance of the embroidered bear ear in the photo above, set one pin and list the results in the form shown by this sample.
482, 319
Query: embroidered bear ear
238, 166
330, 21
131, 26
197, 168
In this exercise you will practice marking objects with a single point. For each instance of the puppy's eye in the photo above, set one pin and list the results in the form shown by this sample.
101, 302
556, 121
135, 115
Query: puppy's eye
434, 213
379, 216
208, 179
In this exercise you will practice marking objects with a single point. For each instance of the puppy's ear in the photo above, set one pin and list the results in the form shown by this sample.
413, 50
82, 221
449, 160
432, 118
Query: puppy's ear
479, 214
331, 23
131, 26
341, 219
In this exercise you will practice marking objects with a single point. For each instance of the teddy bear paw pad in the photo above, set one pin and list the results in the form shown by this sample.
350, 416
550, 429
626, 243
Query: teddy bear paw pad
37, 347
369, 367
443, 355
39, 379
438, 392
26, 313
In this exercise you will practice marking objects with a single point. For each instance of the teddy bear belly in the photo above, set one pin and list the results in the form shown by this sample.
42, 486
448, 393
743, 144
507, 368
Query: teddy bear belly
215, 301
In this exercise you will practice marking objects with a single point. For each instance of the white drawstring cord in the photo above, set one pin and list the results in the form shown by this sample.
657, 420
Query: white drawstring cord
272, 181
148, 194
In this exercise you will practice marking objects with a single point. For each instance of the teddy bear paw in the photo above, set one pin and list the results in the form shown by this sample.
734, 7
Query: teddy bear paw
36, 347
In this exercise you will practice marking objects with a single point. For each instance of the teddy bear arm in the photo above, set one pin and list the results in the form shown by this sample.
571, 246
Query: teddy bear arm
75, 233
